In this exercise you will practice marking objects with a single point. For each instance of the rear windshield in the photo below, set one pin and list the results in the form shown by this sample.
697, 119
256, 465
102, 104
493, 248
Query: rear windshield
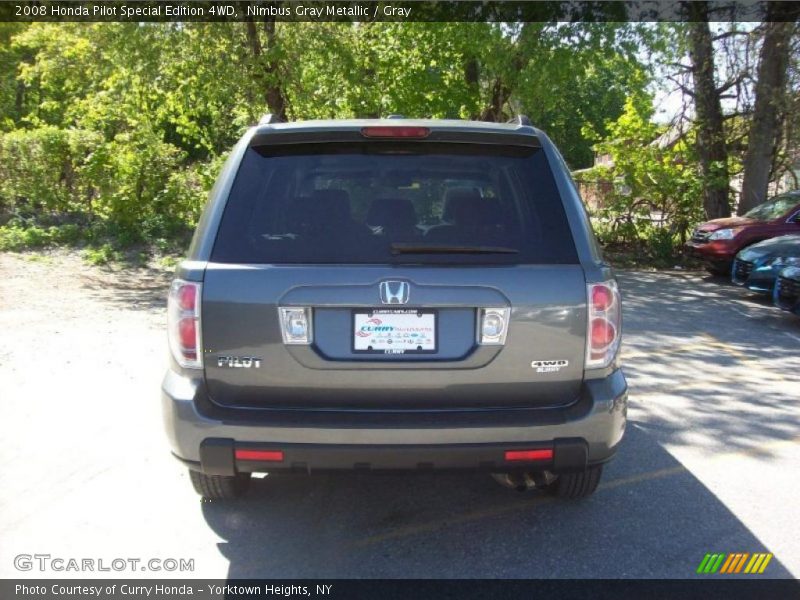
377, 203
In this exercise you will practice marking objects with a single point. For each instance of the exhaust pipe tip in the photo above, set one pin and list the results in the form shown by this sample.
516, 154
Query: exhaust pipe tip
525, 480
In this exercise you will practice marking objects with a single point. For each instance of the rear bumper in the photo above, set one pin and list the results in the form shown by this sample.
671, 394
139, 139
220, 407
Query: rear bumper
583, 433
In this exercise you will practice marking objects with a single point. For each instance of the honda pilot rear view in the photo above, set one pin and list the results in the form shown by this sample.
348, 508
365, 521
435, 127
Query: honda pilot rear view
395, 294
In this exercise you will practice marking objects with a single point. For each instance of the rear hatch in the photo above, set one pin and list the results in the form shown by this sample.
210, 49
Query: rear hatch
427, 274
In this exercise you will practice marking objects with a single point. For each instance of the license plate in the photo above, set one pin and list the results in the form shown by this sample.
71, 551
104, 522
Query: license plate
394, 331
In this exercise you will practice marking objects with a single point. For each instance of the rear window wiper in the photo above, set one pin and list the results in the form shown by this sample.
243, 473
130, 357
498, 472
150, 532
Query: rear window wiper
415, 248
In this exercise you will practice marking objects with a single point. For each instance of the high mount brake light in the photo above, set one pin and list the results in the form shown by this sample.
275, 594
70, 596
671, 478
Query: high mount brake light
393, 132
183, 323
603, 324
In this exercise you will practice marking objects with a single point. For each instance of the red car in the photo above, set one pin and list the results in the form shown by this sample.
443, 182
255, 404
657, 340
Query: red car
718, 241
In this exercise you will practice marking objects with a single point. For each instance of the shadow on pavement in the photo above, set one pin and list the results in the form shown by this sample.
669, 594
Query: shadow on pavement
650, 518
709, 362
683, 304
141, 288
705, 365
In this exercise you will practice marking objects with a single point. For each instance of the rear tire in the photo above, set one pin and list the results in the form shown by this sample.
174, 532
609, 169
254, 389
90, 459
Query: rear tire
219, 487
577, 485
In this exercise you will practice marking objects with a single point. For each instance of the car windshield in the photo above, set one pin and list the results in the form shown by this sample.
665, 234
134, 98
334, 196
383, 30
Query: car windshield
430, 203
772, 209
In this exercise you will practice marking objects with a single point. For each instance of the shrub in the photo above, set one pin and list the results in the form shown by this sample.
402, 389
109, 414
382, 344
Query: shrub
15, 237
102, 255
41, 170
129, 174
132, 189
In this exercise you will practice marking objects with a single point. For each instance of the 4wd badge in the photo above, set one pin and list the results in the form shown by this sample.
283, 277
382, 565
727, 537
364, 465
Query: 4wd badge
549, 366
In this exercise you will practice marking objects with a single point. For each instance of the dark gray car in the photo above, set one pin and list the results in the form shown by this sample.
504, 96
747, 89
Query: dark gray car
395, 294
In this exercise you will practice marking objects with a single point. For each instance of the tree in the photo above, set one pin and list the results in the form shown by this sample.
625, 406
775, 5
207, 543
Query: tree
266, 65
711, 146
770, 99
654, 177
155, 106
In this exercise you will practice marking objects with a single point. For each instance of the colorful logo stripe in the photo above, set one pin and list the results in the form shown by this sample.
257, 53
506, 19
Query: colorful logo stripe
734, 562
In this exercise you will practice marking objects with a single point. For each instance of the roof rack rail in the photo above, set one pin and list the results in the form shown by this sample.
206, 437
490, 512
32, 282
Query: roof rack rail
269, 119
522, 120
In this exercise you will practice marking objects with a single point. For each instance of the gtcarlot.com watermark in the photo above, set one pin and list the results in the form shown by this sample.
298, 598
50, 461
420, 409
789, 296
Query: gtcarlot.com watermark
58, 564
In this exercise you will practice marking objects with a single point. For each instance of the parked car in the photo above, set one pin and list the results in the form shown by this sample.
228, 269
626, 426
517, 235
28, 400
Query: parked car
757, 266
718, 241
315, 326
787, 290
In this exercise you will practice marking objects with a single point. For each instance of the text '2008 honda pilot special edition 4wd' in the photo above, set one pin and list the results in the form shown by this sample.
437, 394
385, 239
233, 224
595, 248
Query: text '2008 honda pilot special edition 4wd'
395, 294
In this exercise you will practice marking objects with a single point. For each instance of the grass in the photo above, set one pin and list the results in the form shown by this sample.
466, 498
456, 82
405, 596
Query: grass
102, 255
39, 258
97, 247
635, 257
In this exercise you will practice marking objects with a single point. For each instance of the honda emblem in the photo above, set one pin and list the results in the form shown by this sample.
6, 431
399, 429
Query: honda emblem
394, 292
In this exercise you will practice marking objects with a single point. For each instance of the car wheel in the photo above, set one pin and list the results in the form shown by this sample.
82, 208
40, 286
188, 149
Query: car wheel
219, 487
577, 485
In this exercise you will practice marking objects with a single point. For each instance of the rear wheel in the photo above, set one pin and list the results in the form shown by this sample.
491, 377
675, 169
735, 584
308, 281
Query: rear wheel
220, 487
577, 485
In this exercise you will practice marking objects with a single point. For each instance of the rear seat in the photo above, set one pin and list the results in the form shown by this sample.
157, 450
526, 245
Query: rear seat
396, 218
325, 212
468, 218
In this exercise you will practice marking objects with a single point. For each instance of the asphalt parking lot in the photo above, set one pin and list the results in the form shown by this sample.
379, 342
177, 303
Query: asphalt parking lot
709, 463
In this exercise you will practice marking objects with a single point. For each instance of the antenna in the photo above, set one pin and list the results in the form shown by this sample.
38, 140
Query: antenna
522, 120
270, 119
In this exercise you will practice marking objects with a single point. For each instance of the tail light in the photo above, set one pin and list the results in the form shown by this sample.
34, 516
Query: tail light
183, 323
604, 329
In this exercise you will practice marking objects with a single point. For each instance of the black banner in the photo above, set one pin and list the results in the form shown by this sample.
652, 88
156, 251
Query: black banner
710, 588
370, 10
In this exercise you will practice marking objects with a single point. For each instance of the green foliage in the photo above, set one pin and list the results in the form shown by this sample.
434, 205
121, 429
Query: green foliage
575, 77
43, 168
121, 128
656, 188
16, 237
130, 172
102, 255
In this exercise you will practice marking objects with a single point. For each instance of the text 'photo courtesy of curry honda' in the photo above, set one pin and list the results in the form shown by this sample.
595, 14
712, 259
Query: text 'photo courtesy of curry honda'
395, 294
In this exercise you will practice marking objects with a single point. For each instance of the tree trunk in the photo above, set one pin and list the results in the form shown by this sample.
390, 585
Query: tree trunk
274, 93
495, 111
768, 112
711, 146
267, 71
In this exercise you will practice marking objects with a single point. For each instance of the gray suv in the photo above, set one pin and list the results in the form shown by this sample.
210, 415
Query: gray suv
395, 294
